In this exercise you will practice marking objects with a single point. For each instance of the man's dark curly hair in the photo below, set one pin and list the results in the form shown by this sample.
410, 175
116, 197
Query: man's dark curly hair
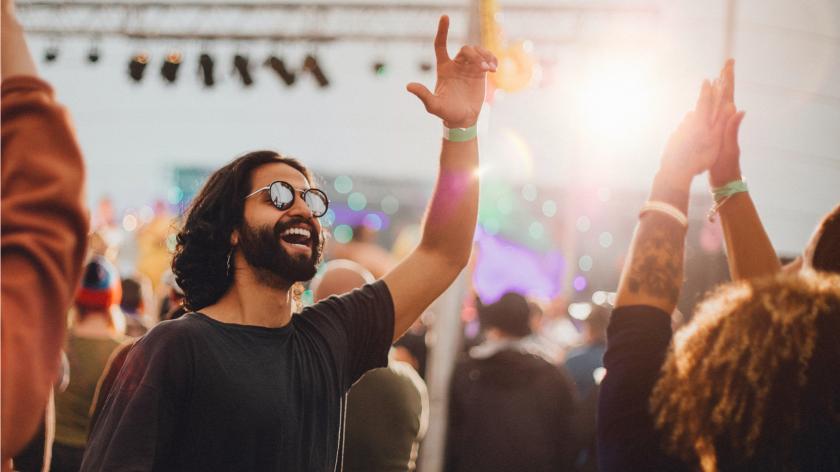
201, 256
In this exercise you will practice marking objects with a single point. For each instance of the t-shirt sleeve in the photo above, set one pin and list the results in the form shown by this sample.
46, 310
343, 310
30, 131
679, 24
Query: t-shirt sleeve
637, 342
136, 427
358, 327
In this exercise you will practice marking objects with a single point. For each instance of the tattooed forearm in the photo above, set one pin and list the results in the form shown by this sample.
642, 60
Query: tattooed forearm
656, 267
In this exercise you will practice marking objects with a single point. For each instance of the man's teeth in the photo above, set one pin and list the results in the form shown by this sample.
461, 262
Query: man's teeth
297, 231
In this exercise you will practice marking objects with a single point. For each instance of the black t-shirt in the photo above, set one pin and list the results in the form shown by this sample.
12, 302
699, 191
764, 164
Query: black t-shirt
637, 343
198, 394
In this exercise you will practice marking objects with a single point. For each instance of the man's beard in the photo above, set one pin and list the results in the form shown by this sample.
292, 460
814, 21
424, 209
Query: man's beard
273, 265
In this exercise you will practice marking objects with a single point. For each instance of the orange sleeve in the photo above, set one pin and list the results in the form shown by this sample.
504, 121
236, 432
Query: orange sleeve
43, 234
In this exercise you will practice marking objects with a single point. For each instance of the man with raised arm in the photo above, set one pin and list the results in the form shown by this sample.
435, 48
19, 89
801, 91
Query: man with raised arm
640, 326
241, 383
44, 234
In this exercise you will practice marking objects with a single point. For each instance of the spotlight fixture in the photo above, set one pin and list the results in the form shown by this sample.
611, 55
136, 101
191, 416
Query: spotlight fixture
205, 68
137, 66
51, 54
169, 69
310, 64
240, 65
93, 55
278, 66
379, 68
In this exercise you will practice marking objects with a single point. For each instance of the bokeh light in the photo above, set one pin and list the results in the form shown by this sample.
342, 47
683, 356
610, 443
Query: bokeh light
129, 222
343, 234
580, 311
529, 192
585, 263
329, 218
549, 208
599, 297
536, 230
605, 239
343, 184
372, 221
390, 204
357, 201
583, 224
579, 283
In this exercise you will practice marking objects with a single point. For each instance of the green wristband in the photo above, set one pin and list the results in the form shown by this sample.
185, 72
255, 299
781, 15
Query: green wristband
460, 135
731, 188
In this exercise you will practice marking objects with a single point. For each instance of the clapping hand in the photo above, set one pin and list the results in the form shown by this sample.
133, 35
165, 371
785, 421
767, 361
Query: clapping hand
459, 90
727, 167
696, 144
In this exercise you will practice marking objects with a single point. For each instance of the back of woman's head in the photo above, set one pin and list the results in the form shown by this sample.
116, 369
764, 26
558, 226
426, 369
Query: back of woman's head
751, 383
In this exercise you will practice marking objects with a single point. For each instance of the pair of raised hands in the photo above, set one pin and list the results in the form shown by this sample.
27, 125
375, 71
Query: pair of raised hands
707, 138
459, 90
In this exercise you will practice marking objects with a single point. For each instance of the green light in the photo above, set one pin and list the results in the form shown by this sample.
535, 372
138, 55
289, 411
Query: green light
536, 229
491, 226
343, 184
505, 205
357, 201
549, 208
343, 234
390, 204
307, 297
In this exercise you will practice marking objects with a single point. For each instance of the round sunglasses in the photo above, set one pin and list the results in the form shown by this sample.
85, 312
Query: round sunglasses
283, 196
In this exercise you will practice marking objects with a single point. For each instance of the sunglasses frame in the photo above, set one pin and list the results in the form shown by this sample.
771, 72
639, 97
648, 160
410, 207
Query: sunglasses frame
294, 191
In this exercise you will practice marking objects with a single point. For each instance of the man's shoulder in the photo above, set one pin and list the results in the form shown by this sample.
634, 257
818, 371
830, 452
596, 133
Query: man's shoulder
172, 332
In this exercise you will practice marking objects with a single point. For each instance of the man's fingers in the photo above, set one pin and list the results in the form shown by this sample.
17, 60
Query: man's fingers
468, 55
440, 40
704, 102
488, 57
428, 98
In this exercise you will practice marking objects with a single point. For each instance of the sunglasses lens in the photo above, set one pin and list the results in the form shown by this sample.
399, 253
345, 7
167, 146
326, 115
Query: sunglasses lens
281, 195
316, 201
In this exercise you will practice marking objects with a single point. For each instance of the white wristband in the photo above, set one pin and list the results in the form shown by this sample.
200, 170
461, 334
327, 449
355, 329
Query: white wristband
665, 208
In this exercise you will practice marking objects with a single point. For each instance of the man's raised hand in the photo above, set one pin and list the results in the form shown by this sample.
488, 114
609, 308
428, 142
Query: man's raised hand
459, 90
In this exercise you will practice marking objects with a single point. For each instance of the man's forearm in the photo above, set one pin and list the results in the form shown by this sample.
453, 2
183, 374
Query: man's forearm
749, 250
450, 220
653, 272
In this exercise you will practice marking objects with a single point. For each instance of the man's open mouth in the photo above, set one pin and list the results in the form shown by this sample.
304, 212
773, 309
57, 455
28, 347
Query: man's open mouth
297, 236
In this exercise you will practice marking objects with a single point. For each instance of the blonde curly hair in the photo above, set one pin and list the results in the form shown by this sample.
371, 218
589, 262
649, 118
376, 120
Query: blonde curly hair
753, 375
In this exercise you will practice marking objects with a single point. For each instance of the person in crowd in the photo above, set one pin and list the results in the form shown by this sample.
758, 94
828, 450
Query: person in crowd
364, 249
749, 383
43, 237
749, 250
240, 383
509, 409
134, 308
584, 362
93, 337
388, 408
411, 347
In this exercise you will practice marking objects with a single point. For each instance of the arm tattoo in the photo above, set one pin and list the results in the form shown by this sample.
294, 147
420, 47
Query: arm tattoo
657, 264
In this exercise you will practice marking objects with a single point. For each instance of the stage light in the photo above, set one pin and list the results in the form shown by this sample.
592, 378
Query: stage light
51, 54
616, 99
205, 68
169, 69
137, 66
93, 55
310, 64
242, 66
278, 66
379, 68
